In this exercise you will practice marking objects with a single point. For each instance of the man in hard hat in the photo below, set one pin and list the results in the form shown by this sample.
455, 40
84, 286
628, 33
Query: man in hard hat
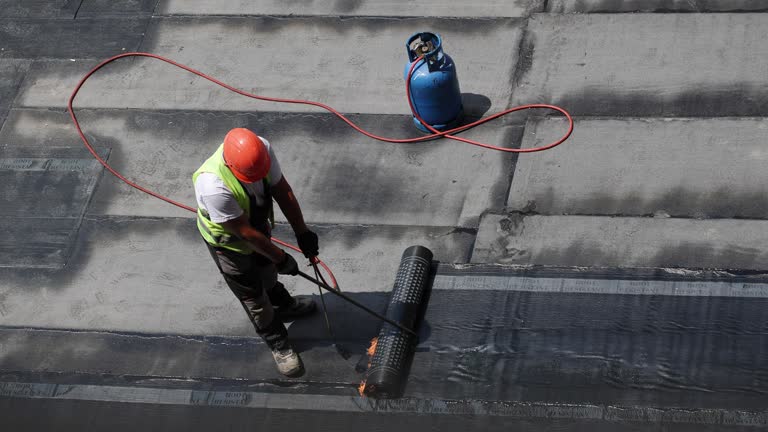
234, 190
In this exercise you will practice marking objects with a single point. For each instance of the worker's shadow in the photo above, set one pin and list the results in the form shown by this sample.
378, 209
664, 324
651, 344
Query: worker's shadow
352, 328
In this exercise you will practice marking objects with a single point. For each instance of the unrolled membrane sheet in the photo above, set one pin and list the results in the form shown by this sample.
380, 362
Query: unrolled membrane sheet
659, 340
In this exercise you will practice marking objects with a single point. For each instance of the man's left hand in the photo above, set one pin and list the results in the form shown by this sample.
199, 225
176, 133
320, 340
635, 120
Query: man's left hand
308, 244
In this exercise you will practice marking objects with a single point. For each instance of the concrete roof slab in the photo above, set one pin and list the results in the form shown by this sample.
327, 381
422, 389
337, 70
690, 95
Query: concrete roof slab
38, 8
49, 182
42, 212
158, 150
647, 64
399, 8
36, 242
49, 83
355, 65
12, 73
115, 8
366, 258
122, 269
704, 168
339, 175
81, 38
160, 270
598, 241
613, 6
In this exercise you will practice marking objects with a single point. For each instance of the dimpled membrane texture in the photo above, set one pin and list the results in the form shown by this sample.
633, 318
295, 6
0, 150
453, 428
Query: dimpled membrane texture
394, 347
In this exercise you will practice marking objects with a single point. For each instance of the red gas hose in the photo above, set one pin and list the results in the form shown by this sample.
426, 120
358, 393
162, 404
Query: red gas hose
446, 134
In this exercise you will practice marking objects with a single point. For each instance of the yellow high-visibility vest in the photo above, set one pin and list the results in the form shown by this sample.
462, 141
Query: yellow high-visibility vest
215, 234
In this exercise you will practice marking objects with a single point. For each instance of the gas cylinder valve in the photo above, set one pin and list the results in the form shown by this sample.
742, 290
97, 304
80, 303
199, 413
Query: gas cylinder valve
420, 47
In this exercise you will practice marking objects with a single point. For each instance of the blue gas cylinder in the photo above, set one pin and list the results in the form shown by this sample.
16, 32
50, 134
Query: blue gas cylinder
434, 85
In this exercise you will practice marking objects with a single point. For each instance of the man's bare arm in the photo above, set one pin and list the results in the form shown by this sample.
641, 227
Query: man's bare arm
289, 205
257, 240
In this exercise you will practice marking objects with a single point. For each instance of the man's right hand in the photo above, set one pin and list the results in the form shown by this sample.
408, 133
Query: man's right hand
308, 244
288, 266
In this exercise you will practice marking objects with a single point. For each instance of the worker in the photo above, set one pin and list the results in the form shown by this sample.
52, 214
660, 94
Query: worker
234, 190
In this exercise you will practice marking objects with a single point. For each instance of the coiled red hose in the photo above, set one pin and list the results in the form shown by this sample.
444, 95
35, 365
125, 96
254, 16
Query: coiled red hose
436, 133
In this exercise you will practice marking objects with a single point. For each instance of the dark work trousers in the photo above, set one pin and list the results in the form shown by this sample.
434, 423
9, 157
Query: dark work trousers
253, 280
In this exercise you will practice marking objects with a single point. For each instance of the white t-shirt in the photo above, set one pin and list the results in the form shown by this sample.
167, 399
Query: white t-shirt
221, 205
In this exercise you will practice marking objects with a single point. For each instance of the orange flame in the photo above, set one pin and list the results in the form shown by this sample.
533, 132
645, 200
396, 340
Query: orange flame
370, 351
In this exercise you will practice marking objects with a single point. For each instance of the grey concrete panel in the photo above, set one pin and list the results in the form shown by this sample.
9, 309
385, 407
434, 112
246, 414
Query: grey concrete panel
601, 241
400, 8
111, 8
47, 182
38, 8
704, 168
47, 191
156, 276
355, 65
49, 83
82, 38
159, 151
339, 175
365, 258
647, 64
612, 6
36, 242
134, 275
12, 73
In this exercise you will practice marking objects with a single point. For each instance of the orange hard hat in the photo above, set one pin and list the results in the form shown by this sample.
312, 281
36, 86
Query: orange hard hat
246, 155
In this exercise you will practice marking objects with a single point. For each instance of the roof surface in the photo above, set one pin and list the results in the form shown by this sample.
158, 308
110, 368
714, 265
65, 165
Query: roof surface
616, 282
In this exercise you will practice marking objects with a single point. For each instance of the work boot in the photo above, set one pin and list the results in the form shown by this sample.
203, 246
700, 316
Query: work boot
288, 307
286, 358
288, 362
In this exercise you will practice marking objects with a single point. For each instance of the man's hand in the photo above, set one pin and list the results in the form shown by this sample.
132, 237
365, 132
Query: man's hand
288, 266
308, 244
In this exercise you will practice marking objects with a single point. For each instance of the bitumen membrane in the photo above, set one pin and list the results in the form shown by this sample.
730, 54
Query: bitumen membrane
616, 282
